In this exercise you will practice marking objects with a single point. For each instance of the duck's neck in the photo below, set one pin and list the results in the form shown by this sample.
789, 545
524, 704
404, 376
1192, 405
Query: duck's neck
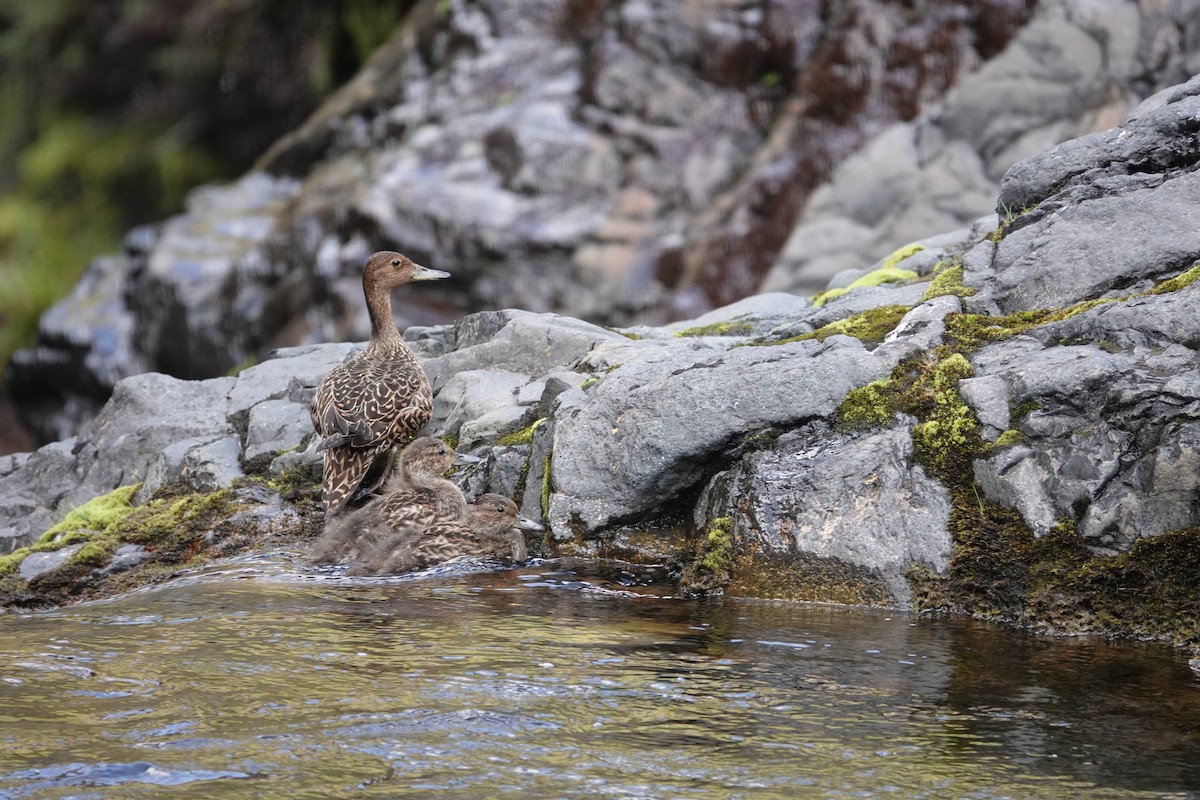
379, 309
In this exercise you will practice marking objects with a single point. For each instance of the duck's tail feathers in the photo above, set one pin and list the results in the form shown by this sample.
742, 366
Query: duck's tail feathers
345, 468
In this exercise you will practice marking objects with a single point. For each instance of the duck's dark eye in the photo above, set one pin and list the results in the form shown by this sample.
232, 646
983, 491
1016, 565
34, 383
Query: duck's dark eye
395, 262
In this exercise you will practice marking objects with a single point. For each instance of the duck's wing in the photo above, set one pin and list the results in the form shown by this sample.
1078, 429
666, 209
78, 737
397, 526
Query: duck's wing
369, 402
344, 469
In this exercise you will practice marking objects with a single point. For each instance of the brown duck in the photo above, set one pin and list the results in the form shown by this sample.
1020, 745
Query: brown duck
351, 536
380, 396
487, 533
418, 495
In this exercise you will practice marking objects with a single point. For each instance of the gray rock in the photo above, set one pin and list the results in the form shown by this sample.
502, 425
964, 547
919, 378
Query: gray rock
517, 342
856, 499
274, 426
650, 430
125, 558
471, 394
988, 399
147, 413
37, 564
1114, 212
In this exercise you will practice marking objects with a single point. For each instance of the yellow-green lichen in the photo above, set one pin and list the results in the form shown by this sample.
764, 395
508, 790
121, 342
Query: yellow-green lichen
711, 567
871, 406
523, 436
718, 329
869, 327
590, 382
95, 516
1181, 281
546, 462
1008, 438
948, 282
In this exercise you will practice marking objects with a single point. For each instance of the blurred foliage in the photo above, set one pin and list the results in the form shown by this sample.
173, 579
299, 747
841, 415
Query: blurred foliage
111, 110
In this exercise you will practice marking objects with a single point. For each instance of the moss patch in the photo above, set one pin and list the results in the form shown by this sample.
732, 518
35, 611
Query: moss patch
718, 329
948, 281
1181, 281
870, 327
546, 488
524, 436
711, 568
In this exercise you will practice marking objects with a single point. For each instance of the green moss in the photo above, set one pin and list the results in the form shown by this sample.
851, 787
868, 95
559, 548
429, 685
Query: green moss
1008, 438
546, 488
947, 437
711, 567
869, 327
1180, 281
871, 406
878, 277
1153, 590
590, 382
718, 329
969, 332
948, 282
100, 514
524, 436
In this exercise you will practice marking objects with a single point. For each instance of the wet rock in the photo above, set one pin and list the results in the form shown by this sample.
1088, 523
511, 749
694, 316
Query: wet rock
126, 557
857, 500
37, 564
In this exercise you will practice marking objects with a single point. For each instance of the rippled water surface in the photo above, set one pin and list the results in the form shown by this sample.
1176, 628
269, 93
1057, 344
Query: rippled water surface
252, 679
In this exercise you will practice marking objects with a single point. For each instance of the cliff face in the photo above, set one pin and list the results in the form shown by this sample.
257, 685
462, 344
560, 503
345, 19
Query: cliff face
619, 163
1002, 421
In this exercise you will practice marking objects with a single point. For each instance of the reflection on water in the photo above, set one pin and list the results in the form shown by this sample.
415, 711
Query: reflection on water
251, 679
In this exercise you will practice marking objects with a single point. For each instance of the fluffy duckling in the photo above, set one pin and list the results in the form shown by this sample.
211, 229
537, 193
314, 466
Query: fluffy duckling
487, 533
418, 495
380, 396
424, 497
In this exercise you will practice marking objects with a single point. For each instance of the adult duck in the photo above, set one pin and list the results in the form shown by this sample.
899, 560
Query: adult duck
380, 396
486, 534
421, 497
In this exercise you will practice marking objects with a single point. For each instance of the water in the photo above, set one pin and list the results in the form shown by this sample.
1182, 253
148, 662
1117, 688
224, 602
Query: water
251, 679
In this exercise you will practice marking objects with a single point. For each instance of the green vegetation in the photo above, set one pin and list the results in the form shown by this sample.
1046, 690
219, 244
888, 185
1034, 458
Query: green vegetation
524, 436
946, 282
888, 272
546, 487
718, 329
711, 567
869, 327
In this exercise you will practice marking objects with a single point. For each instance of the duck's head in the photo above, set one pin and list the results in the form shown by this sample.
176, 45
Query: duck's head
494, 512
388, 269
427, 455
497, 512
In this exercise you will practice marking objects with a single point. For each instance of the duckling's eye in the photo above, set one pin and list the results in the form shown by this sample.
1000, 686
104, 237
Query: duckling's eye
395, 262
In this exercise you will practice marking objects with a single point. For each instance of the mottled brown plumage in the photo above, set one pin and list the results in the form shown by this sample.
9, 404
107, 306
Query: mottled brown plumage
352, 536
418, 495
487, 533
379, 397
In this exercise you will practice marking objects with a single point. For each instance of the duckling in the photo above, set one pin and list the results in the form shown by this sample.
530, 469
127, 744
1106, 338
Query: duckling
487, 533
418, 495
378, 397
425, 497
